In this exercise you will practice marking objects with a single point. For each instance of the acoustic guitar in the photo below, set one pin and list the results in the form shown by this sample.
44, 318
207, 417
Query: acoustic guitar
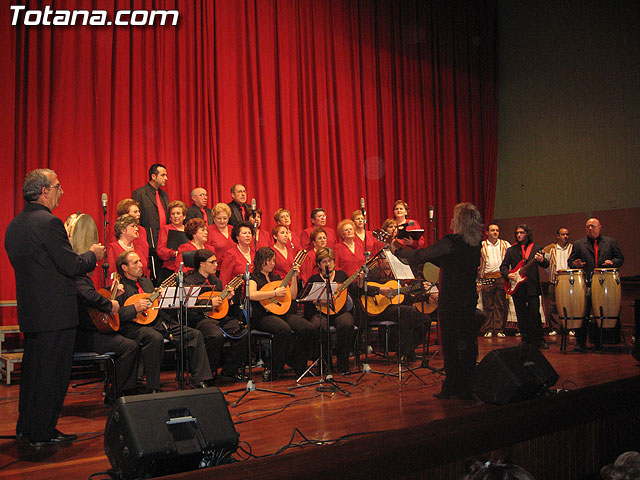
377, 304
340, 297
281, 305
149, 315
221, 310
106, 322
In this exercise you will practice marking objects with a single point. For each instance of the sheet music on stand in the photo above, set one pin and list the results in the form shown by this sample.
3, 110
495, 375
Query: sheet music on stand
170, 298
317, 291
401, 271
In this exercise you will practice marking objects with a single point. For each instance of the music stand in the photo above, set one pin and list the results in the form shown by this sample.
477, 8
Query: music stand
400, 271
325, 382
250, 386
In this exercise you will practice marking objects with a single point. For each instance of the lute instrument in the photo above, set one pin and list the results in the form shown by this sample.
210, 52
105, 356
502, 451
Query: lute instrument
221, 310
149, 315
106, 322
281, 305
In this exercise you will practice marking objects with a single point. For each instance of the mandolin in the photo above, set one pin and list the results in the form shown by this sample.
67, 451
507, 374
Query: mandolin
377, 304
281, 305
106, 322
149, 315
221, 310
340, 297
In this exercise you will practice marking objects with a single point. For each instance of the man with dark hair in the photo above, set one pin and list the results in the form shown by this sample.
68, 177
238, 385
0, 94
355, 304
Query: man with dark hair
45, 268
199, 208
558, 255
318, 219
240, 211
153, 209
593, 251
526, 297
494, 301
151, 336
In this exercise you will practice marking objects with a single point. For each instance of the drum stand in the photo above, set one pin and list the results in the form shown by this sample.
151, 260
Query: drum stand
565, 330
251, 386
325, 383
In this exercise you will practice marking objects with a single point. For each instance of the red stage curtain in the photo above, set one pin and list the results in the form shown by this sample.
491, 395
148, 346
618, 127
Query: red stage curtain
308, 103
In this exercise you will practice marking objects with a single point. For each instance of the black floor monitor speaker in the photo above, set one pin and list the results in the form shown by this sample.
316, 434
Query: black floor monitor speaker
159, 434
509, 375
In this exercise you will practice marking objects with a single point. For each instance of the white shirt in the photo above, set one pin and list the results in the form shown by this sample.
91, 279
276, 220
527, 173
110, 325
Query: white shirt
494, 256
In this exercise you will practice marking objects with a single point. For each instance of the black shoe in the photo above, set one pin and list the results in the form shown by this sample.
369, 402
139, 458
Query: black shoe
580, 348
22, 437
58, 438
233, 378
155, 390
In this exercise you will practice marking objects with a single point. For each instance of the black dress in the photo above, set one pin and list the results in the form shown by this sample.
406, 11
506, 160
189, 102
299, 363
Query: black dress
459, 263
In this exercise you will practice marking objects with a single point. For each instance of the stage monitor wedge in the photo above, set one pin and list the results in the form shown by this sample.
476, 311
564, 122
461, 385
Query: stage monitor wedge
514, 374
165, 433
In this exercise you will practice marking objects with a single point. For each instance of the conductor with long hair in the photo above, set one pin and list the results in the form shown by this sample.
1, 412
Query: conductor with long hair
458, 256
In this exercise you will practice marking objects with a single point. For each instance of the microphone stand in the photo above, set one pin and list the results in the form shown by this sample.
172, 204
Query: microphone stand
181, 318
326, 383
251, 386
105, 264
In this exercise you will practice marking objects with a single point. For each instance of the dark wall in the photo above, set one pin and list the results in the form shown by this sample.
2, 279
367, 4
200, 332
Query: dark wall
569, 108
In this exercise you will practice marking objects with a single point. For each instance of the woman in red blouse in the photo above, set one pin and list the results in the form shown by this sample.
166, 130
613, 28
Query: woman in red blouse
349, 253
177, 212
285, 254
242, 254
129, 206
197, 234
318, 240
401, 214
261, 238
127, 232
220, 233
282, 216
372, 245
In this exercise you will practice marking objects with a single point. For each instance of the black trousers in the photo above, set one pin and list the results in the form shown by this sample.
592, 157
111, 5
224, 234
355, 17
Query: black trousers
529, 321
459, 329
126, 351
151, 344
345, 335
214, 338
44, 379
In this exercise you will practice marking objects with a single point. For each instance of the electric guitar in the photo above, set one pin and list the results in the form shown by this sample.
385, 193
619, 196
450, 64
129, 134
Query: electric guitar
149, 315
106, 322
281, 305
221, 310
510, 286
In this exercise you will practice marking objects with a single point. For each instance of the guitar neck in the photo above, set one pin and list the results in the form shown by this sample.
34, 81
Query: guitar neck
302, 254
233, 284
169, 282
114, 287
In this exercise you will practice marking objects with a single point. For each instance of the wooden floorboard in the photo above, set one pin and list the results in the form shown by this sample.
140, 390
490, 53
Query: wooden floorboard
266, 422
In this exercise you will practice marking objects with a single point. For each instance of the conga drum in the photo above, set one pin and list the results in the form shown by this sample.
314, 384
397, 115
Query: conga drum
606, 296
82, 231
571, 297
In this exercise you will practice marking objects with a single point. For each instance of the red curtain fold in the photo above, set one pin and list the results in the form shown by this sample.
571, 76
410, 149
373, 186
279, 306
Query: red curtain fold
307, 103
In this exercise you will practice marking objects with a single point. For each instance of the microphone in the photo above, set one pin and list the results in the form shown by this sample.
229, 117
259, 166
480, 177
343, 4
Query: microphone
253, 206
104, 203
180, 267
364, 212
431, 213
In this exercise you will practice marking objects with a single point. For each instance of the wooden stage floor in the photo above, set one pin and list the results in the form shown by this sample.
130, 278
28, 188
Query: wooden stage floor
267, 423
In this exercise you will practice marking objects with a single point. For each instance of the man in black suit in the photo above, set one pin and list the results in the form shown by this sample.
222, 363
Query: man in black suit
153, 209
526, 298
199, 208
45, 268
583, 256
240, 211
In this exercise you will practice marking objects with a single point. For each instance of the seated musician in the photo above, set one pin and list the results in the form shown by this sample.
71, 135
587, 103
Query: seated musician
168, 255
349, 253
400, 214
318, 219
216, 331
220, 233
89, 339
409, 319
261, 238
343, 320
282, 216
198, 235
150, 337
318, 241
293, 336
127, 232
